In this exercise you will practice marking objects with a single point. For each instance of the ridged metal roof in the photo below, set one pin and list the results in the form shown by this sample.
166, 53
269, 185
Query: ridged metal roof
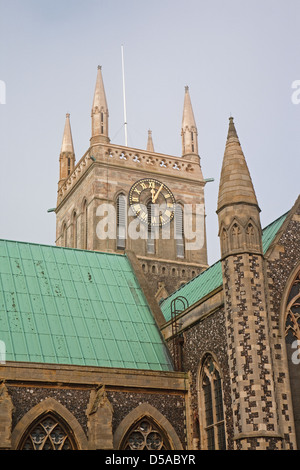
210, 279
67, 306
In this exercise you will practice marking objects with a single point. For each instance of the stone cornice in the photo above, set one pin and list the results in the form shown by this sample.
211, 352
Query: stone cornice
132, 159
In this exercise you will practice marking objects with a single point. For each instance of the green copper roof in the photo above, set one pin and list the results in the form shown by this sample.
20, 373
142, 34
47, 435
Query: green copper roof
67, 306
210, 279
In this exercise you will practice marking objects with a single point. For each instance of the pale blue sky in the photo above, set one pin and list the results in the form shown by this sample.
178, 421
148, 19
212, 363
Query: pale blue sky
238, 57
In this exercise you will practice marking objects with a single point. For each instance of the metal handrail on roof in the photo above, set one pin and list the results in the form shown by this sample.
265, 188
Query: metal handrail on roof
177, 341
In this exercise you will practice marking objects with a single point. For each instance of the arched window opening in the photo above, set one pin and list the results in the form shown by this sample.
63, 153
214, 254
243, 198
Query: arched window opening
179, 231
251, 235
151, 230
211, 397
292, 339
235, 236
145, 435
121, 222
64, 234
84, 225
192, 138
102, 120
292, 323
48, 433
74, 229
225, 240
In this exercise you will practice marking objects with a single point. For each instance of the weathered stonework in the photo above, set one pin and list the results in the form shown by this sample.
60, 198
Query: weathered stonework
281, 261
6, 410
98, 400
207, 335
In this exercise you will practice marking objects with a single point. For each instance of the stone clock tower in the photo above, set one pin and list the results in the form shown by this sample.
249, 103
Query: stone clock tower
117, 199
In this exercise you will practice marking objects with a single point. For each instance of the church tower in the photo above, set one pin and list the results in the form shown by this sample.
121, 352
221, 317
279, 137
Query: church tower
250, 364
119, 199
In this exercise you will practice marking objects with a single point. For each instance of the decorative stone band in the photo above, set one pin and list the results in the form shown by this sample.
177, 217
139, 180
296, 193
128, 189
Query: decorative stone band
132, 158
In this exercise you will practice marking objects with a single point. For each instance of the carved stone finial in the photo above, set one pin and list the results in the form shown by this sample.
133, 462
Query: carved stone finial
98, 399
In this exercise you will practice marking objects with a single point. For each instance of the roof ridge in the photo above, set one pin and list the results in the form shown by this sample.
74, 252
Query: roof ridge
61, 247
276, 220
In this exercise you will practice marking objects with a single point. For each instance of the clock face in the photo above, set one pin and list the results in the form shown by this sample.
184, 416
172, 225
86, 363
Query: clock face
152, 202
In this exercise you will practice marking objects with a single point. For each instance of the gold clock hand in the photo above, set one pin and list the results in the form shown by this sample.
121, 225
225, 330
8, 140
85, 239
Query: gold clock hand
156, 195
153, 192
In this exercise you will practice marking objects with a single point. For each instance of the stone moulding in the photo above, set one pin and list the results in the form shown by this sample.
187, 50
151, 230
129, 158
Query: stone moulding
118, 156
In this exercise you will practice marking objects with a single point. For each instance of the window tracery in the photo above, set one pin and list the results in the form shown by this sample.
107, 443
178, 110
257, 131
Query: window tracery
292, 323
48, 433
145, 435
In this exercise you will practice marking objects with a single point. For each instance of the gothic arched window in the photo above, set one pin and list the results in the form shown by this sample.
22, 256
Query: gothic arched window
179, 231
292, 339
211, 405
84, 225
151, 230
292, 323
145, 435
235, 236
48, 433
64, 234
121, 222
224, 240
74, 229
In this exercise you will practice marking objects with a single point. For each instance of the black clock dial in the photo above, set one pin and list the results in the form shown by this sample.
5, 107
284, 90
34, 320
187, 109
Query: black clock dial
152, 202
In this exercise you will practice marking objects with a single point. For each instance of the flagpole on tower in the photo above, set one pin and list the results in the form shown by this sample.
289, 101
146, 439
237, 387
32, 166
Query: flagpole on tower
124, 97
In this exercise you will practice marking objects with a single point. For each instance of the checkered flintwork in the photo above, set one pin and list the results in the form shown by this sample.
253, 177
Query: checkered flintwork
253, 395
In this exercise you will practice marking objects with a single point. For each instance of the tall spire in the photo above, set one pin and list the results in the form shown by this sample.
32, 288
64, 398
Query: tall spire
236, 185
245, 303
67, 154
189, 131
99, 112
150, 146
67, 143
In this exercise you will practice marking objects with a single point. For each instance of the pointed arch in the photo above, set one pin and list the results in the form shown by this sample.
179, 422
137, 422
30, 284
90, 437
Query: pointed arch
235, 233
145, 421
74, 229
210, 404
84, 226
290, 331
121, 206
179, 230
224, 238
151, 244
235, 236
252, 234
64, 239
40, 420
